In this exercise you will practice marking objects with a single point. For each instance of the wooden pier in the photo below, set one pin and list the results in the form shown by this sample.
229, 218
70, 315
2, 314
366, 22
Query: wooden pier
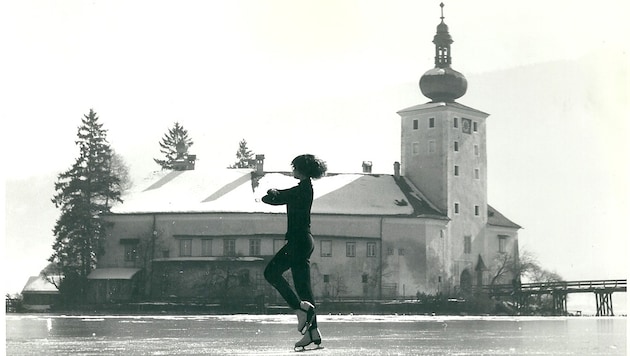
603, 290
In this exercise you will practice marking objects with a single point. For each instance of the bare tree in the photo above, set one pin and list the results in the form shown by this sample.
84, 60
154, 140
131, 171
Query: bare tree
119, 168
507, 266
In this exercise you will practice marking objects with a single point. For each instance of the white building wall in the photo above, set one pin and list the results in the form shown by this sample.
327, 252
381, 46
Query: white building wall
415, 243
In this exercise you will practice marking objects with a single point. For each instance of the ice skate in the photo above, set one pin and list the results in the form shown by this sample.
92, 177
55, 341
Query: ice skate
305, 315
312, 336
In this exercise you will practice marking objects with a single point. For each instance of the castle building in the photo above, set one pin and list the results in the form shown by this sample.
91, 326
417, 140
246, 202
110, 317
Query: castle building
204, 234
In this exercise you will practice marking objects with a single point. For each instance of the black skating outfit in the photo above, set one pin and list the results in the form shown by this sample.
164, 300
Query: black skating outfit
295, 255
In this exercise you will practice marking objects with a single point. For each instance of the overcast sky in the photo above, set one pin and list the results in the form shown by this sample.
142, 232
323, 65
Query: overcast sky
327, 77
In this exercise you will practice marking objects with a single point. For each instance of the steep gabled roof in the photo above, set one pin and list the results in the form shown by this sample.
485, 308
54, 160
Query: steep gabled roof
240, 190
495, 218
41, 285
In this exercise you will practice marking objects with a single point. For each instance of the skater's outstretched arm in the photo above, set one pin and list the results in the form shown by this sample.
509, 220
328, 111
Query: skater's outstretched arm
279, 197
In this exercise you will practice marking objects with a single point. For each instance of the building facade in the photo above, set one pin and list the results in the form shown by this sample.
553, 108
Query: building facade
201, 234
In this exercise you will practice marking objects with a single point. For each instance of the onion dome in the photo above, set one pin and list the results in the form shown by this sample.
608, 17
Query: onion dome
443, 83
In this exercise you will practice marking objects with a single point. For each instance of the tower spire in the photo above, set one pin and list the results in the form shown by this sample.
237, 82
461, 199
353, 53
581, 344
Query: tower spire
443, 83
442, 41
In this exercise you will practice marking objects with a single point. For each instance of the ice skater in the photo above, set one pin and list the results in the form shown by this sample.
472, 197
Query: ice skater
296, 253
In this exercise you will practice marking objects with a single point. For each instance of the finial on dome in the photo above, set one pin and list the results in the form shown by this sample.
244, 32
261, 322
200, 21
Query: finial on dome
442, 11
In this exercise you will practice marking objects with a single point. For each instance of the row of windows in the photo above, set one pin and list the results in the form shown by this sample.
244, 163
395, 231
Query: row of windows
456, 148
476, 172
364, 278
229, 248
468, 243
432, 147
467, 125
351, 249
456, 209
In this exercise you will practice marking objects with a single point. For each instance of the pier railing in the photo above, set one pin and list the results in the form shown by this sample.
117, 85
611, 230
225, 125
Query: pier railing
612, 285
603, 290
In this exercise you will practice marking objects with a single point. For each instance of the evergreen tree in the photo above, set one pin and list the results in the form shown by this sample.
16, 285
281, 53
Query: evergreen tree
244, 156
177, 135
83, 193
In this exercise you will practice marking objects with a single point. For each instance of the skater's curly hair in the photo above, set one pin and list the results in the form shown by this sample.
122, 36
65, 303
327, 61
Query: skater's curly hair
310, 166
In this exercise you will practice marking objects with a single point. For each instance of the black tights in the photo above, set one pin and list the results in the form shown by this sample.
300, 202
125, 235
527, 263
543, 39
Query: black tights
294, 256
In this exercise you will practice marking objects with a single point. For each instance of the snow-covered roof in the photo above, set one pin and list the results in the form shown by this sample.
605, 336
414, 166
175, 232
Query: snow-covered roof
41, 285
240, 190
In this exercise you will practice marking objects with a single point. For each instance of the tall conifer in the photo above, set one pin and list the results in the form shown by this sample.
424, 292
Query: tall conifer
83, 193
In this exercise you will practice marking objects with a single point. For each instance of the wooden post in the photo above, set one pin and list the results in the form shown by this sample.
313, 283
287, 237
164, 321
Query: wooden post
603, 300
559, 302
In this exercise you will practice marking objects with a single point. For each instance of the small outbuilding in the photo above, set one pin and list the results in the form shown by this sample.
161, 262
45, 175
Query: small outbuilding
40, 293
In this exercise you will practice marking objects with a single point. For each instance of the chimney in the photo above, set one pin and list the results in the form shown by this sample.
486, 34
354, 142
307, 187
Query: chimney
367, 166
184, 161
396, 170
260, 163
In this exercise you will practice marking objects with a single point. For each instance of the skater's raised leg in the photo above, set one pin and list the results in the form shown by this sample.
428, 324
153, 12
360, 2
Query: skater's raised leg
305, 315
312, 336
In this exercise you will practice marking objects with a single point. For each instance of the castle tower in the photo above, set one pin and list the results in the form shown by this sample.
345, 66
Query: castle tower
443, 143
443, 153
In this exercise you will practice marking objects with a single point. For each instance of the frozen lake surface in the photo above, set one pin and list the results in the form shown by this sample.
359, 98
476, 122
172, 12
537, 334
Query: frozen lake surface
45, 334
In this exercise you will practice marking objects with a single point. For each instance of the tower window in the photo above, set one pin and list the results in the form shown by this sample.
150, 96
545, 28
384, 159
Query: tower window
431, 122
476, 173
456, 208
432, 146
415, 124
474, 126
456, 171
456, 146
476, 210
467, 244
455, 122
415, 148
476, 149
